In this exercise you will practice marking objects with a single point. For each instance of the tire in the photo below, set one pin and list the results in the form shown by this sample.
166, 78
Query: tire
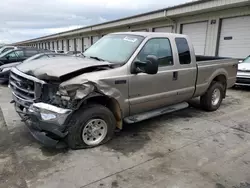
85, 120
208, 101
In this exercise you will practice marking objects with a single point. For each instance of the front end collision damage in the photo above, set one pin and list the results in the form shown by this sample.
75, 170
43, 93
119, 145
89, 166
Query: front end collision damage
80, 94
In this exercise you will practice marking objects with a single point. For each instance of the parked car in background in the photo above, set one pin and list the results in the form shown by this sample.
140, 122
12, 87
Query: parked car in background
243, 74
6, 48
5, 69
19, 54
125, 77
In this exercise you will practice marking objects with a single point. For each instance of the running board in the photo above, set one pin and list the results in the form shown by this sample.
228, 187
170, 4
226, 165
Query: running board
155, 113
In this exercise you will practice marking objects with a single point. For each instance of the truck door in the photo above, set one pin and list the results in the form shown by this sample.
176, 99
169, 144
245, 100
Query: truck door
147, 92
187, 70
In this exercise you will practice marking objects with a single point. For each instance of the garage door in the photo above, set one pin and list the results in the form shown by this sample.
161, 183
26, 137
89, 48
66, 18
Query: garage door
79, 44
95, 39
198, 33
85, 43
55, 45
71, 45
163, 29
235, 37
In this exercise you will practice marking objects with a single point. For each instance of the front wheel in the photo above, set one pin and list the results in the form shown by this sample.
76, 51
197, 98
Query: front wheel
93, 125
212, 99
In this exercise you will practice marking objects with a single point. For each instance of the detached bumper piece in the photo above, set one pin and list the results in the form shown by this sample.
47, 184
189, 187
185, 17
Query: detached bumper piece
47, 124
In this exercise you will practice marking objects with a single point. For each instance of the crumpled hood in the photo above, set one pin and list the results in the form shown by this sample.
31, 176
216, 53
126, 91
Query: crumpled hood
56, 68
244, 66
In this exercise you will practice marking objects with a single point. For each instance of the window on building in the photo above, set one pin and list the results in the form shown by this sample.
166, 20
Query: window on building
183, 51
159, 47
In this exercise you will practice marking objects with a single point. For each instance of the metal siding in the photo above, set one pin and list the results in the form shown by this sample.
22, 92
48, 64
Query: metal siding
239, 30
55, 45
198, 33
167, 29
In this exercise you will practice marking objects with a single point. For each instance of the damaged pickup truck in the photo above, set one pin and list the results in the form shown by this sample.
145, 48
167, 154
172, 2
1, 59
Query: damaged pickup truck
124, 77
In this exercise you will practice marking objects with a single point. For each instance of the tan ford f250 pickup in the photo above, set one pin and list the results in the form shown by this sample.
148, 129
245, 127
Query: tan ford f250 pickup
124, 77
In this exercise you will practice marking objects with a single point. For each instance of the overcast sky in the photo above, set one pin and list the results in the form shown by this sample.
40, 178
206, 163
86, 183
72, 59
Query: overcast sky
26, 19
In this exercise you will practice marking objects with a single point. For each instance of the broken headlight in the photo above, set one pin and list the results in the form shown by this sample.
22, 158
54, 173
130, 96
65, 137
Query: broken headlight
68, 96
76, 91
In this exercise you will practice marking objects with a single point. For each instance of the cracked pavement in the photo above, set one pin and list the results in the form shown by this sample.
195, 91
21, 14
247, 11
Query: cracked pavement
190, 148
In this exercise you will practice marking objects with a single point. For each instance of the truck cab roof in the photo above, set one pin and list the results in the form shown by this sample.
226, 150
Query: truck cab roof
151, 34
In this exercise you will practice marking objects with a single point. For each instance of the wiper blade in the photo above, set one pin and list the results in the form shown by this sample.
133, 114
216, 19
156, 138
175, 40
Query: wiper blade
97, 58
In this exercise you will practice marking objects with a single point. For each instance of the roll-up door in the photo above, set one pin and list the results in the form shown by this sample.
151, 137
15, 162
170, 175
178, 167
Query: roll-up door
198, 34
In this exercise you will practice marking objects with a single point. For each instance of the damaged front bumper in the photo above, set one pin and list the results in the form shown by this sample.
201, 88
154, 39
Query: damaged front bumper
47, 123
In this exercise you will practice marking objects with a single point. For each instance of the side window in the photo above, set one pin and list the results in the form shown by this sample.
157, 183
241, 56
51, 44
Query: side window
161, 48
11, 55
20, 53
183, 51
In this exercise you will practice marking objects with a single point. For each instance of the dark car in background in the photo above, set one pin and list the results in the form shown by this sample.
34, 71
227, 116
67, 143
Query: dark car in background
5, 69
6, 48
18, 54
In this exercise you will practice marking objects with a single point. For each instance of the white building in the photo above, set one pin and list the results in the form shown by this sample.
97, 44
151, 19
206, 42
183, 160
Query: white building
216, 27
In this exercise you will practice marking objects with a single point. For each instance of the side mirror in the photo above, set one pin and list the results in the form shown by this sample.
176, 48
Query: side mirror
7, 57
150, 66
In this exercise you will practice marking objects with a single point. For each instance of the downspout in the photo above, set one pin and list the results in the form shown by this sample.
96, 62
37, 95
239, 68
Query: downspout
171, 21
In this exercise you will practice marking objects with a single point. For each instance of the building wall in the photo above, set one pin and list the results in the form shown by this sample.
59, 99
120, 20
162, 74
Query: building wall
212, 35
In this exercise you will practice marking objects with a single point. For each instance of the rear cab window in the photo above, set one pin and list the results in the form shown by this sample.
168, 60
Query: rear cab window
183, 51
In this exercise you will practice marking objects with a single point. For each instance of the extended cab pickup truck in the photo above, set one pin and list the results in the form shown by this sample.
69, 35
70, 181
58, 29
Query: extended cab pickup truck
124, 77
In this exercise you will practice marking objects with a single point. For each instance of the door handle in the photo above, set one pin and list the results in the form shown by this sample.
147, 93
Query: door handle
175, 75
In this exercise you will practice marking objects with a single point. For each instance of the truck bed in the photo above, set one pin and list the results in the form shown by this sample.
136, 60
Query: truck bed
208, 58
209, 67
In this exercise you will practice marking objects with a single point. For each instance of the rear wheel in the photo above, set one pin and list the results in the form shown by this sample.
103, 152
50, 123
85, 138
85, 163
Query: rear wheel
93, 125
212, 99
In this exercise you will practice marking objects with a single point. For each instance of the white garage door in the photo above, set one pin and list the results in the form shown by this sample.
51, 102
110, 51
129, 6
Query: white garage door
95, 39
85, 43
79, 44
163, 29
71, 45
55, 45
60, 45
235, 37
198, 33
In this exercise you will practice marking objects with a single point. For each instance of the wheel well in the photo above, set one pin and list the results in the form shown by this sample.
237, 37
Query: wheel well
223, 80
111, 104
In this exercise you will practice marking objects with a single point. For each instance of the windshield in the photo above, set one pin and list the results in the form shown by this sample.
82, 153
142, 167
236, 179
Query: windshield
114, 48
247, 60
